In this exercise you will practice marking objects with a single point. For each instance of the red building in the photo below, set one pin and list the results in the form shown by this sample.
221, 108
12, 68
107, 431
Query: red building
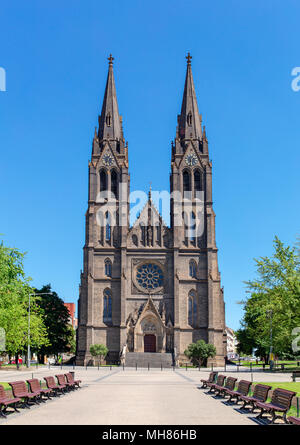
71, 307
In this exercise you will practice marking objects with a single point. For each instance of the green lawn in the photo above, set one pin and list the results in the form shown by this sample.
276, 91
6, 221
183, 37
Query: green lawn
291, 386
289, 364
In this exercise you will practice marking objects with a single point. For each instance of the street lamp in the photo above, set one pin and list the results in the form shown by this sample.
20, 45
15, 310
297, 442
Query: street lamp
28, 349
270, 313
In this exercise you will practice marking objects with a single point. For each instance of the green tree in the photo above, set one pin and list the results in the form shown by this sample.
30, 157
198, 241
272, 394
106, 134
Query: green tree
200, 351
56, 319
14, 303
273, 305
99, 351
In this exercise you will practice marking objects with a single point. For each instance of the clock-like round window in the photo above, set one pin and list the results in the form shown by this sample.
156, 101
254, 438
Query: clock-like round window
149, 276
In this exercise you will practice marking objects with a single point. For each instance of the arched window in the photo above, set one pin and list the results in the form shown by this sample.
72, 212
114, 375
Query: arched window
103, 180
198, 181
186, 224
107, 306
192, 308
158, 233
189, 119
135, 240
186, 181
108, 268
193, 269
192, 227
107, 227
143, 237
114, 183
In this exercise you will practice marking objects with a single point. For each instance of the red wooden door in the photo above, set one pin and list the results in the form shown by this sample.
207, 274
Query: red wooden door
149, 343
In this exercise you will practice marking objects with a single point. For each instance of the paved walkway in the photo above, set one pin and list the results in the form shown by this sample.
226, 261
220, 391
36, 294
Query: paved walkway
112, 397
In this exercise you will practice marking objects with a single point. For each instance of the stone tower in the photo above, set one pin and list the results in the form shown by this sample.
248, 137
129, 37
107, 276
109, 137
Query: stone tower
149, 287
197, 292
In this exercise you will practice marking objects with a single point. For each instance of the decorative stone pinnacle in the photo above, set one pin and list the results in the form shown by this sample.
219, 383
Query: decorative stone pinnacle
110, 58
189, 58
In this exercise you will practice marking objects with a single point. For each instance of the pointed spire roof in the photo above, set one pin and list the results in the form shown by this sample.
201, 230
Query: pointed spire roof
109, 121
189, 121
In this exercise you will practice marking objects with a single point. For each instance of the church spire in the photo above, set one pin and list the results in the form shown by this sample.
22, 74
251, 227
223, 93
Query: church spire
189, 120
110, 120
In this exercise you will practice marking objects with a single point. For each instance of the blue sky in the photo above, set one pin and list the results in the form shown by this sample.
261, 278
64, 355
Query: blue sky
55, 58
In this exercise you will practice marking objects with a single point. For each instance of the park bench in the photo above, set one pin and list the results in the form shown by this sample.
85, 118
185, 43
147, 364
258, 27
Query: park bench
295, 374
229, 385
70, 379
294, 420
35, 386
280, 402
20, 391
260, 394
6, 401
219, 382
211, 379
51, 384
242, 390
62, 382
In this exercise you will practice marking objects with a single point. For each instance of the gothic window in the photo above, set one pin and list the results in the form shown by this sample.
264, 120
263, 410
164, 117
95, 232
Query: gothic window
158, 234
108, 120
143, 237
149, 276
192, 227
107, 306
192, 308
108, 268
193, 269
186, 181
103, 180
185, 223
189, 119
135, 240
114, 183
107, 227
198, 181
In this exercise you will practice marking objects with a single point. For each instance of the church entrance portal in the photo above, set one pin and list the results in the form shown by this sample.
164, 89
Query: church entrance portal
149, 343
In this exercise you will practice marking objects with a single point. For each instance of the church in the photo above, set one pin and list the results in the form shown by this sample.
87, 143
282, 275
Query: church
148, 289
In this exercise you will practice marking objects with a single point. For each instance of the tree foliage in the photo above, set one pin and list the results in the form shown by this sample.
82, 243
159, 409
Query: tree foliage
15, 292
56, 318
99, 351
200, 351
274, 304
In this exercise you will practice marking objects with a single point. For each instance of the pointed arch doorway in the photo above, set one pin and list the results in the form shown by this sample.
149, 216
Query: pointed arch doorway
149, 343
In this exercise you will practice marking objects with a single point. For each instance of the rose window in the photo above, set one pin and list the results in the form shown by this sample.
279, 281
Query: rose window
149, 276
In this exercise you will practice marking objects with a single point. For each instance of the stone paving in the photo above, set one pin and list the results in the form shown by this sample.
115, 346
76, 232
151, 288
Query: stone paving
130, 397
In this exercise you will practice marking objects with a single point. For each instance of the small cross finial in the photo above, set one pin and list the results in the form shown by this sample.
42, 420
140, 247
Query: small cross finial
188, 58
110, 58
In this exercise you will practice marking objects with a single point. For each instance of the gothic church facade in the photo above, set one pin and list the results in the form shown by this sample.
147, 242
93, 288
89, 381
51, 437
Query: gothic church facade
149, 287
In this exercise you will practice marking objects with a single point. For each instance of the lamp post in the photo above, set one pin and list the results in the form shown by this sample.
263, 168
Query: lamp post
28, 348
270, 313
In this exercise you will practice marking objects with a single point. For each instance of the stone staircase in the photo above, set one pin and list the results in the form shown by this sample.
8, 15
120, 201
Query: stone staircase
154, 359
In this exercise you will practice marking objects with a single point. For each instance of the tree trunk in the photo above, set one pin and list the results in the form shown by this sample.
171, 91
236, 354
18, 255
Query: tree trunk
41, 359
17, 361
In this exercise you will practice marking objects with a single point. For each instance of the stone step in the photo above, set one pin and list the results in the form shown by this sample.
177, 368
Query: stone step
154, 359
